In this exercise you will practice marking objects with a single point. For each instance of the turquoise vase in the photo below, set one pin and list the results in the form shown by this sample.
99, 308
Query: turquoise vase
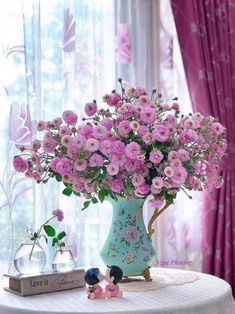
128, 245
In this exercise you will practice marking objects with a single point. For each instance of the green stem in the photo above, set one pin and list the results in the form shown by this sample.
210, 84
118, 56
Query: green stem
38, 234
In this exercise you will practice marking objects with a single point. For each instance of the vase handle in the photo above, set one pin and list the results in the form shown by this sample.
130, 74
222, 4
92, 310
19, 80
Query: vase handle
156, 213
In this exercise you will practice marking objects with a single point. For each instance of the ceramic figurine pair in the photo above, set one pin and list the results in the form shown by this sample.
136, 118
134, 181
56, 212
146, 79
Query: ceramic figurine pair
113, 276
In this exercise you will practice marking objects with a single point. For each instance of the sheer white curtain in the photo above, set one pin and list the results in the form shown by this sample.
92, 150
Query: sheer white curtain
61, 54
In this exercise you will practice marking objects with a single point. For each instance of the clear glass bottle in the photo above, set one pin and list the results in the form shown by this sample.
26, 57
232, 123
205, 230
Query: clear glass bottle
30, 258
63, 260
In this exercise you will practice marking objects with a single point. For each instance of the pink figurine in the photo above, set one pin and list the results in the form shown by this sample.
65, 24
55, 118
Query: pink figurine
92, 277
113, 276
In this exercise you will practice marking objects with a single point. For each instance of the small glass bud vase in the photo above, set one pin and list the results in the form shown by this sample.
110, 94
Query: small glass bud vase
63, 260
30, 258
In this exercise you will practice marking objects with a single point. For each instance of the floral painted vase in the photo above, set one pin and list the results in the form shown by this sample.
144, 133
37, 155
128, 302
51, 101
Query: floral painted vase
128, 245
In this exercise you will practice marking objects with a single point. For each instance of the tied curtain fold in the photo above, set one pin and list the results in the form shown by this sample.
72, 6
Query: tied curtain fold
206, 32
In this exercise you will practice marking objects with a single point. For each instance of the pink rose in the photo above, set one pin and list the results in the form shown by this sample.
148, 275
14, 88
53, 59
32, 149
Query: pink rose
80, 164
161, 133
90, 108
70, 117
148, 115
180, 175
143, 188
96, 161
132, 150
113, 169
124, 127
117, 185
155, 156
49, 145
20, 164
58, 213
64, 166
92, 145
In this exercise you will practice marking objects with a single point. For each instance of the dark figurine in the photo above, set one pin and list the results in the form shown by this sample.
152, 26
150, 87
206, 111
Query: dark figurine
93, 277
113, 276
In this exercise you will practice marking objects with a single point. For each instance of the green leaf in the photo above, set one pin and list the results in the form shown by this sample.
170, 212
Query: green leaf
68, 185
189, 167
102, 176
86, 204
58, 177
96, 186
169, 197
94, 200
91, 174
101, 196
67, 191
61, 235
106, 191
160, 146
76, 193
50, 231
54, 241
114, 197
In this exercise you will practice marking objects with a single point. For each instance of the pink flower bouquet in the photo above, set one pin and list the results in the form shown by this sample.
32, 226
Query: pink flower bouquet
134, 147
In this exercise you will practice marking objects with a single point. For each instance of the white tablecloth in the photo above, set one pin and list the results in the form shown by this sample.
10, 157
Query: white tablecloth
206, 295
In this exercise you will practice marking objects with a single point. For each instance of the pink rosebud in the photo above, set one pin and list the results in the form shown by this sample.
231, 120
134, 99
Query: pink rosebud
41, 126
35, 158
58, 213
57, 121
36, 145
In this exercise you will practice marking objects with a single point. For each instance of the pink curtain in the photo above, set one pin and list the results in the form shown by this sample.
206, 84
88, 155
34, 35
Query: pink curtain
206, 31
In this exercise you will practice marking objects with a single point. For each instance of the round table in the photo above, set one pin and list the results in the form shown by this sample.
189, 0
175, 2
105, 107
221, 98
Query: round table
206, 295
